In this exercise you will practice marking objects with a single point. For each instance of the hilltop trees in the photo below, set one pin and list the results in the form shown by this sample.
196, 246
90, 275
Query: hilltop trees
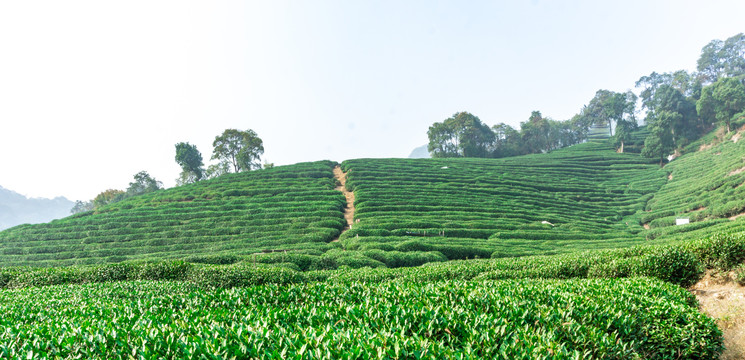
143, 184
464, 135
238, 150
608, 107
720, 101
461, 135
660, 143
107, 197
722, 59
190, 160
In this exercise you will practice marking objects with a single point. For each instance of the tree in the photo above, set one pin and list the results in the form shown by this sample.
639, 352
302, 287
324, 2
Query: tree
190, 160
507, 141
143, 184
670, 99
659, 142
108, 197
462, 135
623, 133
535, 133
722, 59
680, 80
216, 170
239, 150
721, 100
608, 107
81, 206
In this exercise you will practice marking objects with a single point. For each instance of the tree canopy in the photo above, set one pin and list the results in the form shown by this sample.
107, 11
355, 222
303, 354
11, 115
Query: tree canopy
722, 59
721, 100
143, 184
190, 160
238, 150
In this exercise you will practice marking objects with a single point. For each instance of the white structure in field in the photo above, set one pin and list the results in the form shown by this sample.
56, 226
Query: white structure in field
682, 221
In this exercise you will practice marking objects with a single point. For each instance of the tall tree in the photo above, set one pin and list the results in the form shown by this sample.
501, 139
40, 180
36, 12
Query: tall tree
190, 160
81, 206
143, 184
507, 141
659, 142
535, 133
680, 80
107, 197
721, 100
608, 107
667, 98
722, 59
240, 150
462, 135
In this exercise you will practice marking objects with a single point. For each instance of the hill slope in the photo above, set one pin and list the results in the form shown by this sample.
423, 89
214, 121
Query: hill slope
577, 198
408, 211
238, 214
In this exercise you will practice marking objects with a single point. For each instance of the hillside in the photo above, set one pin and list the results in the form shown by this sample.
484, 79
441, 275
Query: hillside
592, 287
292, 207
577, 198
16, 209
703, 186
408, 212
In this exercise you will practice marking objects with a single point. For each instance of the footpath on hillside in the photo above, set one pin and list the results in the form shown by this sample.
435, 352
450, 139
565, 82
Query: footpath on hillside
349, 210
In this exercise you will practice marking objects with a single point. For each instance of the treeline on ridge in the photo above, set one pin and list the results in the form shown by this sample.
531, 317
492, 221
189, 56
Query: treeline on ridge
679, 108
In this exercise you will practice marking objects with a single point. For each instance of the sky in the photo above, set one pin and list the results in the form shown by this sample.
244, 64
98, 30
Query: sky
92, 92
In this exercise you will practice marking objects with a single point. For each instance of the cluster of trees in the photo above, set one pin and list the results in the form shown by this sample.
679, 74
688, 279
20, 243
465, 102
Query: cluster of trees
464, 135
682, 106
679, 106
235, 151
143, 183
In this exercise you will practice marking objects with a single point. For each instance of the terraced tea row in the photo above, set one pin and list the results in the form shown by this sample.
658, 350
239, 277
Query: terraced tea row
290, 207
514, 319
581, 197
705, 186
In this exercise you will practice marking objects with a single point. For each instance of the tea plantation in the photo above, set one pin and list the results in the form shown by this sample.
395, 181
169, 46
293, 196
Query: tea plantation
582, 197
293, 207
579, 258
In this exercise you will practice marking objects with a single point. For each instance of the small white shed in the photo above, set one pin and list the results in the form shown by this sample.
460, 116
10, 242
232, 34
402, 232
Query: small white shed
682, 221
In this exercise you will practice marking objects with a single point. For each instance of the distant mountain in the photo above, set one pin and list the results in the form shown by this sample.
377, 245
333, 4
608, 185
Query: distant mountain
16, 209
419, 153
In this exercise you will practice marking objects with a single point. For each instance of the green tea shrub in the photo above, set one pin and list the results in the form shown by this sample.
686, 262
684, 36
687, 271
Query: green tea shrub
164, 270
112, 272
722, 251
241, 275
225, 259
46, 277
672, 264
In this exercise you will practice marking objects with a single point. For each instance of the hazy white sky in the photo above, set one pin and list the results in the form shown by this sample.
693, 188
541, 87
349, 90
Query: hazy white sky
91, 92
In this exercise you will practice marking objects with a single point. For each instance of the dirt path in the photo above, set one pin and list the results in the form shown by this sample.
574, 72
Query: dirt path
349, 210
724, 301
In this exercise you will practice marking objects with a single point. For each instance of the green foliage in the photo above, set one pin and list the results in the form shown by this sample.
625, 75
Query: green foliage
660, 142
284, 208
722, 58
107, 197
720, 101
672, 264
721, 251
238, 149
467, 208
190, 160
511, 319
143, 184
462, 135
